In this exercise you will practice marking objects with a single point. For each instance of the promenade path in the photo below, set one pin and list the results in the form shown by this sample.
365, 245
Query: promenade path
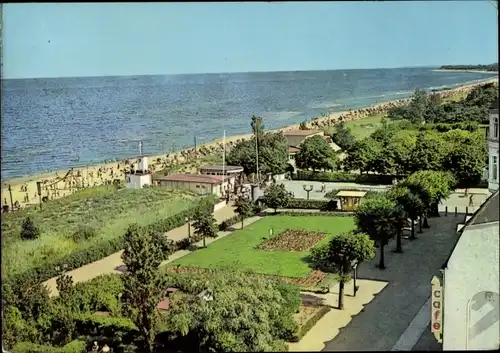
109, 264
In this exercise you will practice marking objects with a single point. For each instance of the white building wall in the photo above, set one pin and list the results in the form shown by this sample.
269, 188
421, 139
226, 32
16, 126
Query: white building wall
137, 181
471, 322
493, 157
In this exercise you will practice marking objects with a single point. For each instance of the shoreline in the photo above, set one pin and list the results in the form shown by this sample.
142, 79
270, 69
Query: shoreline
471, 71
24, 188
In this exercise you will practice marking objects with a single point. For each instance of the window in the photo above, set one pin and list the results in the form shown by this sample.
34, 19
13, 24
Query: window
495, 128
494, 167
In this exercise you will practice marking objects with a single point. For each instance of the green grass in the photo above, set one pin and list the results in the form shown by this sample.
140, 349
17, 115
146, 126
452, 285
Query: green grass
107, 210
239, 248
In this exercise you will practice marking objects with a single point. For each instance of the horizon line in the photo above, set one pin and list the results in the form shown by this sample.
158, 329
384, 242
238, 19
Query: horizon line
225, 73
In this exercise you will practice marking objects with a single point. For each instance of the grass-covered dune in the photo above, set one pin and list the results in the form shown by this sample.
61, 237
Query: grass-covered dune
84, 221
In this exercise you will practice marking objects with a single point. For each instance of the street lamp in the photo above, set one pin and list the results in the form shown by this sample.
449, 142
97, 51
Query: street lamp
308, 189
355, 267
187, 219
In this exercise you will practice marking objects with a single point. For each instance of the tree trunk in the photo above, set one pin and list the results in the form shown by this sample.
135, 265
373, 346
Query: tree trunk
412, 235
426, 222
381, 264
242, 220
435, 210
341, 295
420, 225
399, 247
204, 245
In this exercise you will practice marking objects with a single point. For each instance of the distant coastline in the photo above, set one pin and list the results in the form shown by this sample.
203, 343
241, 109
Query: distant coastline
465, 70
482, 69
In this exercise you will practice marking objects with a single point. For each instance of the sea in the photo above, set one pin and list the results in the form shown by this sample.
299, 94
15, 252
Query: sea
51, 124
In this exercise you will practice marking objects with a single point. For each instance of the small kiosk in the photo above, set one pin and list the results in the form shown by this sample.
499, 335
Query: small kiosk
350, 200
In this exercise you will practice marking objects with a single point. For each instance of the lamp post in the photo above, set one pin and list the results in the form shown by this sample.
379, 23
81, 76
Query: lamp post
355, 268
308, 189
187, 219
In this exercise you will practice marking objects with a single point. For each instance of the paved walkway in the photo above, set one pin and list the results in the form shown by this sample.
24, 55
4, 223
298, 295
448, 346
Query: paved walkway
383, 322
110, 263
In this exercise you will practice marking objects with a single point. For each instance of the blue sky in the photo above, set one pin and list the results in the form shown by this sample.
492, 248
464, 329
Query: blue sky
99, 39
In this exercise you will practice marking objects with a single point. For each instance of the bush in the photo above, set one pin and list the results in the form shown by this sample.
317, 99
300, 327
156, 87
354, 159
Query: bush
333, 193
98, 251
76, 346
83, 232
321, 213
310, 323
341, 177
29, 230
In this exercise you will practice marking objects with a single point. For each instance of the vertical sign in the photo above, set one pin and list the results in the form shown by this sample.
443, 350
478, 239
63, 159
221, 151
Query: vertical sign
437, 309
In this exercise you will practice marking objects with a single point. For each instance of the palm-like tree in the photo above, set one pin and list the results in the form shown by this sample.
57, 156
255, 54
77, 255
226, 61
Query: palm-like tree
381, 218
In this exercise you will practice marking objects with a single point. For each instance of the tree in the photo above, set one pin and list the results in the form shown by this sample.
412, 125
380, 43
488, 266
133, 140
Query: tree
205, 224
343, 137
142, 281
411, 204
273, 154
467, 159
340, 254
244, 207
379, 217
359, 157
66, 325
276, 196
417, 108
29, 230
431, 187
257, 125
315, 153
399, 149
428, 152
246, 313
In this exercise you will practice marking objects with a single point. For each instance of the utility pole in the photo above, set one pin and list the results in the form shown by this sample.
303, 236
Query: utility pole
195, 151
257, 156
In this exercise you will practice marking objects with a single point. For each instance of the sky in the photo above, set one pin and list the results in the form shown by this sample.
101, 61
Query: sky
111, 39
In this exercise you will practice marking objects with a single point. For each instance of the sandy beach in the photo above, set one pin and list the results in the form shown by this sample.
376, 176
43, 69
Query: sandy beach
23, 191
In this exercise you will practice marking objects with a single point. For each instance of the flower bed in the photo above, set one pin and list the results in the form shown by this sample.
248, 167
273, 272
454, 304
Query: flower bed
292, 240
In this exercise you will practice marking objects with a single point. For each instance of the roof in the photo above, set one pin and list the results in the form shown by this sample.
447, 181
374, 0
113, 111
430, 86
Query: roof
164, 304
220, 167
301, 132
347, 193
192, 178
293, 149
487, 213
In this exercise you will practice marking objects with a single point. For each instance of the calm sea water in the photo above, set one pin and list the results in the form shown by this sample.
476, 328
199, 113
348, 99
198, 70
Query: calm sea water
51, 124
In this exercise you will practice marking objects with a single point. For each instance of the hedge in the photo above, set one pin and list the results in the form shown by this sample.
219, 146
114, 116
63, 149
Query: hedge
101, 250
322, 205
320, 213
224, 225
333, 193
342, 177
308, 325
76, 346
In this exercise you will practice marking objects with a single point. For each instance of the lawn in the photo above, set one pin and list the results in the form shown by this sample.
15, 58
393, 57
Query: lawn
241, 247
364, 127
105, 210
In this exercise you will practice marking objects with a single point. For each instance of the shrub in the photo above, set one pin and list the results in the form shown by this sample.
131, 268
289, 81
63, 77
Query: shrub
342, 177
29, 230
83, 232
310, 323
320, 213
76, 346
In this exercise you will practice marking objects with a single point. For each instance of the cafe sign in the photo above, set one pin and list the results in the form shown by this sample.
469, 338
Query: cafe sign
437, 309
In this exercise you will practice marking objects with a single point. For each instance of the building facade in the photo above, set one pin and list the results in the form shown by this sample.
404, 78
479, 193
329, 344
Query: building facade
471, 282
139, 175
493, 157
200, 184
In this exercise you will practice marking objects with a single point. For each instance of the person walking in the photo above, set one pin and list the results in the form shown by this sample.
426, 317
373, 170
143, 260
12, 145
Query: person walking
471, 200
